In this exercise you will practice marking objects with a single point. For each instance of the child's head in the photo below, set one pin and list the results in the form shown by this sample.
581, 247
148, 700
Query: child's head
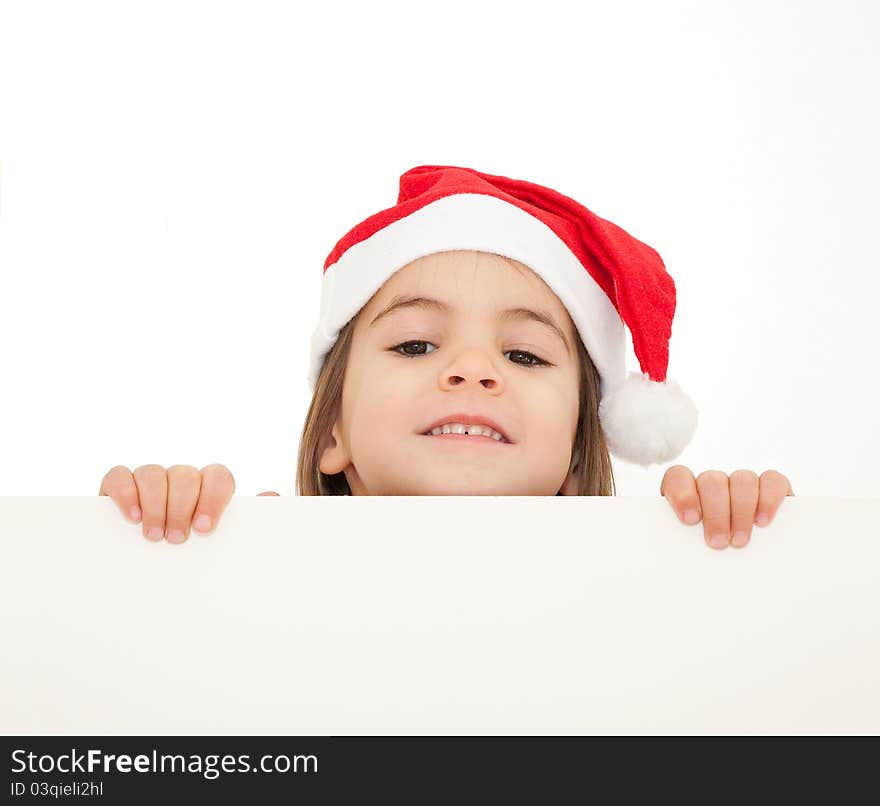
528, 292
365, 433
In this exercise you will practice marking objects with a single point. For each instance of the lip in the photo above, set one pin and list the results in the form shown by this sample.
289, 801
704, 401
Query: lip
469, 419
464, 438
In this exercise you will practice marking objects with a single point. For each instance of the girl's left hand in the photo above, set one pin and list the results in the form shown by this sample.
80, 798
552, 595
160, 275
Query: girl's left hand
726, 506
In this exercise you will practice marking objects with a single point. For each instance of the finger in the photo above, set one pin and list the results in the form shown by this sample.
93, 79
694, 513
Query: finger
267, 493
218, 485
680, 489
152, 484
184, 485
773, 488
714, 489
119, 485
744, 486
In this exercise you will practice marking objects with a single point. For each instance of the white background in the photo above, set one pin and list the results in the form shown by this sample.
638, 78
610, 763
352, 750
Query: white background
173, 175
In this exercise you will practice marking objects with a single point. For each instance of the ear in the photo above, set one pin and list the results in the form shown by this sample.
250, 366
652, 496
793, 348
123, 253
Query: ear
570, 485
334, 457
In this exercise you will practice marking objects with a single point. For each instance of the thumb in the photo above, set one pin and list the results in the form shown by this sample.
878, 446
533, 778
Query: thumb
268, 493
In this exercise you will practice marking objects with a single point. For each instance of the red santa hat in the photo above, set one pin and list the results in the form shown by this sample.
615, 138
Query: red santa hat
603, 275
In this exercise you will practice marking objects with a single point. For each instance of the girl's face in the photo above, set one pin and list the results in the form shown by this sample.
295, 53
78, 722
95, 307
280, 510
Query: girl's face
414, 365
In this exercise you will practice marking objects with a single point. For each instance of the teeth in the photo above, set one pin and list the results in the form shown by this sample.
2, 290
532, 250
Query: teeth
460, 428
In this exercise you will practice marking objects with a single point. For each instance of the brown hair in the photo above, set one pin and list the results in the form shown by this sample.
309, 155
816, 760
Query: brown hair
595, 476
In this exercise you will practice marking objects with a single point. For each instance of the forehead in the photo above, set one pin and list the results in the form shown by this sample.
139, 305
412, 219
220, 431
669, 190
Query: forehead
463, 274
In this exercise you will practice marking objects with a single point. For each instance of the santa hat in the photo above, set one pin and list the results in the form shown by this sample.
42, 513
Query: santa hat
603, 275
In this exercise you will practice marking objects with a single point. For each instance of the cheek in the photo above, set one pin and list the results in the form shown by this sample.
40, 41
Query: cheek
392, 401
553, 411
381, 410
551, 423
372, 392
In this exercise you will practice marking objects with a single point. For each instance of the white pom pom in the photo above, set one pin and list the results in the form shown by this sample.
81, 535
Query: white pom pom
646, 422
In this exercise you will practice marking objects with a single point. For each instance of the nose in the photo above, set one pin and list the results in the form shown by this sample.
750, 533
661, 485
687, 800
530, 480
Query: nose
469, 366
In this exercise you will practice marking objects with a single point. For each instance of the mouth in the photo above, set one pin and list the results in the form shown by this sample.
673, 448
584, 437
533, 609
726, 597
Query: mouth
477, 427
477, 433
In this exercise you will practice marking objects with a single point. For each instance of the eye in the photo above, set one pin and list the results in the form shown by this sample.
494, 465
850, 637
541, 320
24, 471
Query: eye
537, 363
529, 363
407, 344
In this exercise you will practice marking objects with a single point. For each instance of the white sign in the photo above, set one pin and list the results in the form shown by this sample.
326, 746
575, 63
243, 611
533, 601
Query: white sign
439, 615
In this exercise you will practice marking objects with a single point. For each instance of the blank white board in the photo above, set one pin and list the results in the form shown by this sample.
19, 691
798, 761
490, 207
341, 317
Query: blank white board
439, 615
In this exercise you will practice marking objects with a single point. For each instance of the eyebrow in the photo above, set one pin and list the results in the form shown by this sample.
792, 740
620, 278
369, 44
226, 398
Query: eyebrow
508, 314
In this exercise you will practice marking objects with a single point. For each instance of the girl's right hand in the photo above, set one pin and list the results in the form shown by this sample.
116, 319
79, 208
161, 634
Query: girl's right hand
171, 500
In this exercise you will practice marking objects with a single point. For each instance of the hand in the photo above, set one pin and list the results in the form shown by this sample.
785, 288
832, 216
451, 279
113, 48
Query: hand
172, 500
726, 506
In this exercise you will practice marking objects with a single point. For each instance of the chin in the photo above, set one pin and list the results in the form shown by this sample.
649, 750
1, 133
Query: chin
463, 488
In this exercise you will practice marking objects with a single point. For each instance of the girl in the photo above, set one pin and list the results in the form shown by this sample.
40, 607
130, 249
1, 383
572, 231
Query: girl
470, 342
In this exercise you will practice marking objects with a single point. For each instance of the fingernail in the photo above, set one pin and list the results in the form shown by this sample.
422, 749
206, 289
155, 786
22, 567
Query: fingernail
740, 539
202, 523
719, 541
135, 513
691, 516
155, 533
762, 519
174, 536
